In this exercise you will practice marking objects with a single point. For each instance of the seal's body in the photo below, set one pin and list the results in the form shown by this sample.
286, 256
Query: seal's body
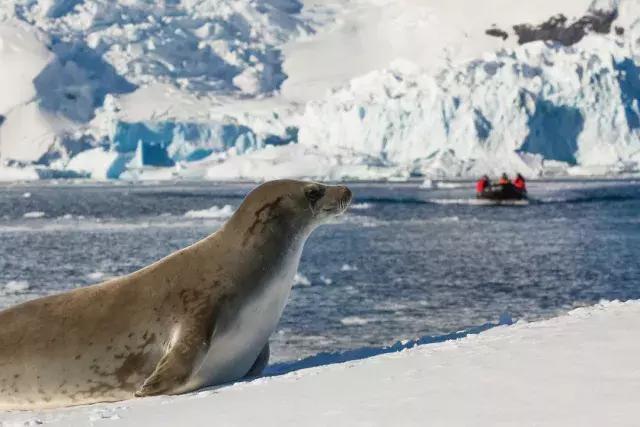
199, 317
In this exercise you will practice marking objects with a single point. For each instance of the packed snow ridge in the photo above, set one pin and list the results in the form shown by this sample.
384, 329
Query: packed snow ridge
221, 89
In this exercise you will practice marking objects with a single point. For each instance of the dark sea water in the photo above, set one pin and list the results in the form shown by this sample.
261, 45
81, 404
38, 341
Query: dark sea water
405, 262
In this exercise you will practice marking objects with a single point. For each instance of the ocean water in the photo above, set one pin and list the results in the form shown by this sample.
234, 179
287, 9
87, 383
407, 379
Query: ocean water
405, 262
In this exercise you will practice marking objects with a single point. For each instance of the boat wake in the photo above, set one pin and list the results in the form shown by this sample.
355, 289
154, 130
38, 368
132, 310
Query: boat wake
479, 202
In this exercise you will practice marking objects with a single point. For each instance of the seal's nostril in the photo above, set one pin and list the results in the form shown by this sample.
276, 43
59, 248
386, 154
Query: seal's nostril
346, 194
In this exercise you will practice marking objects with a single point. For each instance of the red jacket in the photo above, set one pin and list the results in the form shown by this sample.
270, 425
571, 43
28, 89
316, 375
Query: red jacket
481, 184
519, 184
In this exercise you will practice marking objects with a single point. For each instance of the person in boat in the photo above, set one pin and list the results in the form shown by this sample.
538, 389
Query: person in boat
519, 183
504, 179
482, 184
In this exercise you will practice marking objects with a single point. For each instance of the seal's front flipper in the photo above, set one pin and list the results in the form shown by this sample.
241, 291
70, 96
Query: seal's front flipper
177, 364
168, 374
260, 363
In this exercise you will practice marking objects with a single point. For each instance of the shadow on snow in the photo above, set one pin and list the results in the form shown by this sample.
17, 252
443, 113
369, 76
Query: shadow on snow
324, 359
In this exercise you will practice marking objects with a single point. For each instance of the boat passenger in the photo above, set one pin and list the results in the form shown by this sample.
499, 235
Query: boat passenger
504, 179
520, 183
482, 184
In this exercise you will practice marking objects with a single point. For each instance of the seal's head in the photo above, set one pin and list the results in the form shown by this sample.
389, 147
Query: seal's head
325, 201
288, 206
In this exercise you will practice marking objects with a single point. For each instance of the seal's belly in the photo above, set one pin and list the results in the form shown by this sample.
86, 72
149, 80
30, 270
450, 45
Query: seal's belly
238, 339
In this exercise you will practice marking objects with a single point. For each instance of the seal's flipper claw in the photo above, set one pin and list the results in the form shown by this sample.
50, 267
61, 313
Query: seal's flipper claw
165, 377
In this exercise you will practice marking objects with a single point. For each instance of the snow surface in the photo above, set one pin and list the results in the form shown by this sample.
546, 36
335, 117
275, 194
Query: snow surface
23, 57
362, 89
11, 174
365, 35
577, 369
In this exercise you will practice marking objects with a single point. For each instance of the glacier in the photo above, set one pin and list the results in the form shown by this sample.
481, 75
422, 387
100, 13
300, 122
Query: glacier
225, 90
518, 110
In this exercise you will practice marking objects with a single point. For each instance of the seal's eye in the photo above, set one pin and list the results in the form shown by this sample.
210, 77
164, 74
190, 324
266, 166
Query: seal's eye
314, 193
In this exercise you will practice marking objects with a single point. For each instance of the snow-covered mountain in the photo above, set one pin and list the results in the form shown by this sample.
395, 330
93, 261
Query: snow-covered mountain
364, 89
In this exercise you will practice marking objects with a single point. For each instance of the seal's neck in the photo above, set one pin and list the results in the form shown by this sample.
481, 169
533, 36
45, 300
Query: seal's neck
272, 251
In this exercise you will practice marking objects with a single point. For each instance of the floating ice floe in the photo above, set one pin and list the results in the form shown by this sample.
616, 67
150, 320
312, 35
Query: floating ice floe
214, 212
301, 280
354, 321
326, 280
15, 286
34, 214
96, 275
360, 206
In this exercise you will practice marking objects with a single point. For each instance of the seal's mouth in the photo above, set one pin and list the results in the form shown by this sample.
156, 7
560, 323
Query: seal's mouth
344, 203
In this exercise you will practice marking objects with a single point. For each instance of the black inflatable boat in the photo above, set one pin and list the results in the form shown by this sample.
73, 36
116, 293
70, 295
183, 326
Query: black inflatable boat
502, 192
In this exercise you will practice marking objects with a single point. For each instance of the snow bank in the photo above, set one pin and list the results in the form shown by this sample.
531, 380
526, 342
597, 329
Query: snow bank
26, 130
62, 61
22, 55
29, 133
577, 369
18, 174
205, 45
360, 36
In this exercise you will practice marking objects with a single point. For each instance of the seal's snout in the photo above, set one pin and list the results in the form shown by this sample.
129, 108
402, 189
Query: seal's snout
327, 200
344, 197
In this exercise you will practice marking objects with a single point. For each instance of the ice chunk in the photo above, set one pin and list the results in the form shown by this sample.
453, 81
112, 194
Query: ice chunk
15, 286
354, 321
34, 214
213, 212
301, 280
99, 163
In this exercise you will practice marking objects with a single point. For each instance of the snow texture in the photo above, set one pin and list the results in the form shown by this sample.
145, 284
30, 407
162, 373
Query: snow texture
577, 369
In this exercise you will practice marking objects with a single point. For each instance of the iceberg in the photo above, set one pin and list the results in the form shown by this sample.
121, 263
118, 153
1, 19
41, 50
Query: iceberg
511, 111
377, 90
100, 163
